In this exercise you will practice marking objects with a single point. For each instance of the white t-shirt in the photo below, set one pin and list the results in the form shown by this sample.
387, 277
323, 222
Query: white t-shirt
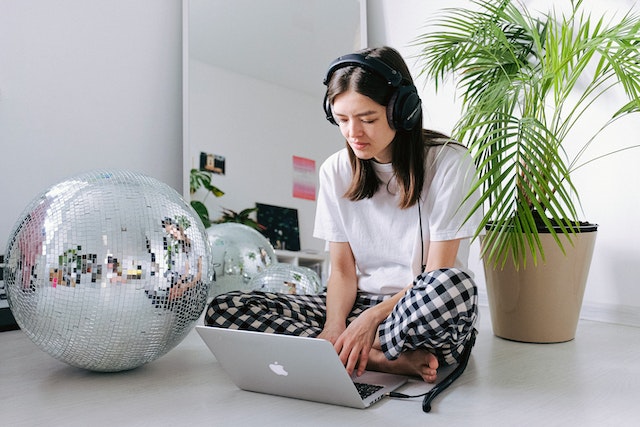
385, 239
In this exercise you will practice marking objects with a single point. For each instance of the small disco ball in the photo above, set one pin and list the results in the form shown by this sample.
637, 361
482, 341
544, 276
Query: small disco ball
107, 270
287, 279
238, 252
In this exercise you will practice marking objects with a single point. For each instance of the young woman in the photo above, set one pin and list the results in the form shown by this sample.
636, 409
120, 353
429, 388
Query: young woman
392, 208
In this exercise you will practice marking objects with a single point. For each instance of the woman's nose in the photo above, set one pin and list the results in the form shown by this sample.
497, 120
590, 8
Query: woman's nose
354, 128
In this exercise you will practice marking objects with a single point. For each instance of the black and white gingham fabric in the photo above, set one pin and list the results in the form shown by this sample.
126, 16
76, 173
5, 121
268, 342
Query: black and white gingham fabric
302, 315
438, 313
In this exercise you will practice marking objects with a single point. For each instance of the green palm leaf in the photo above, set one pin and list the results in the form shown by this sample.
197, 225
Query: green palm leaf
526, 81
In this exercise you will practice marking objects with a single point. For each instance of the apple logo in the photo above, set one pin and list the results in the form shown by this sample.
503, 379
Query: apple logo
278, 369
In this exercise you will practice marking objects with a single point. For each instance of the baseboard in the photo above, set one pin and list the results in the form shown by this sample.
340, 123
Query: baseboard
606, 313
483, 300
610, 313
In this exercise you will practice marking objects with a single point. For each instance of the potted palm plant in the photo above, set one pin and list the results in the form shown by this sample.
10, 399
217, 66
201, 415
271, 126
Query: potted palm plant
527, 81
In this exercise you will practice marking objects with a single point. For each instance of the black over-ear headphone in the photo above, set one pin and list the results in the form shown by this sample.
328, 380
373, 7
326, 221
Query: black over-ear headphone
404, 109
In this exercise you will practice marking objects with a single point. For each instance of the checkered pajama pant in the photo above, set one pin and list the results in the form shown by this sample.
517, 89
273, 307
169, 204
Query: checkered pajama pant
437, 314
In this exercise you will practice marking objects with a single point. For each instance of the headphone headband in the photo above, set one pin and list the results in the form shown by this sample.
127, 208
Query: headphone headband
404, 110
392, 76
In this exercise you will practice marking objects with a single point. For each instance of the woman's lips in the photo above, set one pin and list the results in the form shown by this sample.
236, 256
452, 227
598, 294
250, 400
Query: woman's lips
359, 145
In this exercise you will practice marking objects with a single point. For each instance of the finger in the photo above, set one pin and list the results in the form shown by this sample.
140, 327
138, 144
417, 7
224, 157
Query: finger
352, 361
356, 359
340, 349
362, 362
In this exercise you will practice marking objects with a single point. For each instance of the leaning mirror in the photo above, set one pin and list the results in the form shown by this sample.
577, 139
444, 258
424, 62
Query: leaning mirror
253, 91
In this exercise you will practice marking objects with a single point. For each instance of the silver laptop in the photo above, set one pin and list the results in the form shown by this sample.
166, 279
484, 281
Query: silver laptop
291, 366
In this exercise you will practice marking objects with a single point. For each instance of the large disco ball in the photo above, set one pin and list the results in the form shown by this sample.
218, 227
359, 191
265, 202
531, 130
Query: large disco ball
238, 252
107, 270
287, 279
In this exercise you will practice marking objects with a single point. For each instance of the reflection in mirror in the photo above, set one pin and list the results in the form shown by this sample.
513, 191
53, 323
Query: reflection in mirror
253, 93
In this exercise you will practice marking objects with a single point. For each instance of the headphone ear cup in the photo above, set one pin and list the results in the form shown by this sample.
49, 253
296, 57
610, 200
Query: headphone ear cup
327, 110
405, 108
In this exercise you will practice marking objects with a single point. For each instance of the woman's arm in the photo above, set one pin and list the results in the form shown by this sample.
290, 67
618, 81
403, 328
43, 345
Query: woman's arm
342, 288
355, 345
441, 255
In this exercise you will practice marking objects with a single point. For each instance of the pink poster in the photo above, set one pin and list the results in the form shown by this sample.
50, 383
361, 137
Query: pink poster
304, 178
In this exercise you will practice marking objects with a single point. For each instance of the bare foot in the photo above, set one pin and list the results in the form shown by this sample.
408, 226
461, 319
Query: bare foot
417, 362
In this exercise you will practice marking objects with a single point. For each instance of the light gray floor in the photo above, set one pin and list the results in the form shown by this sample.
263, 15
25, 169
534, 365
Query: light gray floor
591, 381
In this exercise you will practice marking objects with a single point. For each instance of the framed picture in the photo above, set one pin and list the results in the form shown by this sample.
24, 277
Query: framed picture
212, 163
281, 226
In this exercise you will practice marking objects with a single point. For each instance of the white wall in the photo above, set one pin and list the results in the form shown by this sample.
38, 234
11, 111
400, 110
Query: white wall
85, 85
607, 188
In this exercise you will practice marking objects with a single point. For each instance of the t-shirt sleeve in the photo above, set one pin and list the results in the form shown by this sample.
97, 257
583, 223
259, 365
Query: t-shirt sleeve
453, 179
328, 224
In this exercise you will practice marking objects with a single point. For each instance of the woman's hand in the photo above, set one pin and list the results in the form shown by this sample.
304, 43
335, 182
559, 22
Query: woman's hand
331, 333
355, 343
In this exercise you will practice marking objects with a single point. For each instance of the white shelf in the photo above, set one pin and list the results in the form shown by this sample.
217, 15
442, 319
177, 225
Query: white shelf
316, 261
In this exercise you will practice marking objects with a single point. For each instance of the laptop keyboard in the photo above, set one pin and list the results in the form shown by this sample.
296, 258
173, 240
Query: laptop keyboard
366, 390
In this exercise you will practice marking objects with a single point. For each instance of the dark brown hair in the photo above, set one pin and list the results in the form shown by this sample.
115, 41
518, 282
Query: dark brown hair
409, 148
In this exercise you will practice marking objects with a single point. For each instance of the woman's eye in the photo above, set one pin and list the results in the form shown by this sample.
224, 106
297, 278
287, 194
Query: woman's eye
342, 121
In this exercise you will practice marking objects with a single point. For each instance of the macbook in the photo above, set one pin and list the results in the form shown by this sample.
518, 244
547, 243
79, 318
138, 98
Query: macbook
292, 366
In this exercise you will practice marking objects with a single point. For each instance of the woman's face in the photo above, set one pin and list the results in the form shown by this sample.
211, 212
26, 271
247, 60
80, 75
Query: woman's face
363, 122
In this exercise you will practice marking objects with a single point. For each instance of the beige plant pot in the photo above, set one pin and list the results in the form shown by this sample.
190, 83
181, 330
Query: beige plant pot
541, 304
